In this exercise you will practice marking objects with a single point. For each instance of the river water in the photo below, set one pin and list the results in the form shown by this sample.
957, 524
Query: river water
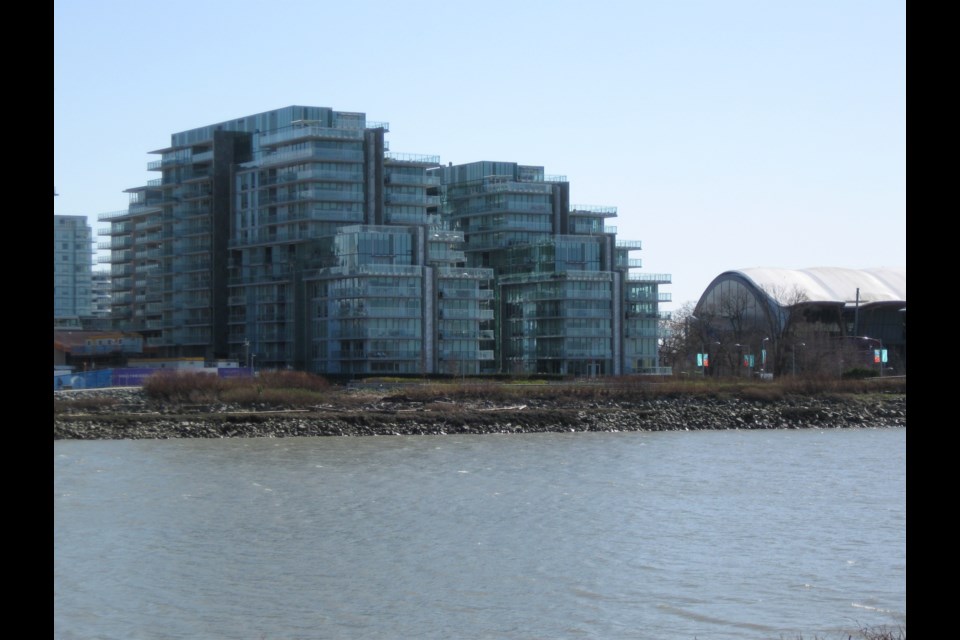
707, 535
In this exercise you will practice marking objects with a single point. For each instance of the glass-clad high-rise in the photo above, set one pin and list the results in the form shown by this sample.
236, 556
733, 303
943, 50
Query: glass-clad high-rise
296, 237
72, 267
566, 301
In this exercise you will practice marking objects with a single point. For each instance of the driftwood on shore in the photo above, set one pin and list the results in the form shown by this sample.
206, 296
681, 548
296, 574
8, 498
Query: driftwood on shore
133, 417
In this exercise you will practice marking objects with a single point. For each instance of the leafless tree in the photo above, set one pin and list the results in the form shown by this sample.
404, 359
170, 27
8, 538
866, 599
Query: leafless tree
780, 320
678, 339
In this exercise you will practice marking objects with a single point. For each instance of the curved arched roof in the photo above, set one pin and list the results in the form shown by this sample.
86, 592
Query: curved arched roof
831, 284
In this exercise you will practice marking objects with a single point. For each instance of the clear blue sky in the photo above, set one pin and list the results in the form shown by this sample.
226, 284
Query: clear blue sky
729, 134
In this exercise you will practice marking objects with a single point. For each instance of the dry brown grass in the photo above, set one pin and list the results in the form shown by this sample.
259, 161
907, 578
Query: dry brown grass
182, 387
272, 388
299, 389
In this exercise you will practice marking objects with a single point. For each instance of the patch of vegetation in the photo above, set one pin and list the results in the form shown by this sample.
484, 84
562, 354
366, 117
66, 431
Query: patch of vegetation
297, 389
83, 405
635, 389
272, 397
183, 387
272, 388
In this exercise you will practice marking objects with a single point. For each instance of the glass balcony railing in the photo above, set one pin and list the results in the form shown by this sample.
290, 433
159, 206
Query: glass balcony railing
313, 175
659, 278
594, 210
414, 180
412, 157
414, 199
290, 134
322, 195
285, 157
112, 215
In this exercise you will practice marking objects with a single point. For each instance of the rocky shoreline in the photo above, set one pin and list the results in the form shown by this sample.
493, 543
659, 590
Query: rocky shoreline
132, 416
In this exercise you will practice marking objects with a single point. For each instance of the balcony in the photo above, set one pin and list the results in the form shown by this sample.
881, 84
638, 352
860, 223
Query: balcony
116, 229
194, 191
659, 278
414, 199
423, 218
189, 229
112, 215
415, 158
120, 242
593, 210
314, 175
306, 132
323, 195
150, 238
413, 180
466, 314
447, 256
194, 175
286, 157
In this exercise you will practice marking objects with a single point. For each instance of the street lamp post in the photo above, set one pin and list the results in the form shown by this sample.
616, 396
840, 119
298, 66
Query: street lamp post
703, 353
763, 356
881, 357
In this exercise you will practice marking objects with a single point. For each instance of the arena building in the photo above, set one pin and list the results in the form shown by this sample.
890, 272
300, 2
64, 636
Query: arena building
822, 320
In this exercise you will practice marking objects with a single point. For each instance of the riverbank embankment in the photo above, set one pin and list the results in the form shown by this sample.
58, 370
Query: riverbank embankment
129, 414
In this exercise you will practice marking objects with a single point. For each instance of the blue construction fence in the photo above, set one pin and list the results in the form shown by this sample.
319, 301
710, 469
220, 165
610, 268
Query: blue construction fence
126, 377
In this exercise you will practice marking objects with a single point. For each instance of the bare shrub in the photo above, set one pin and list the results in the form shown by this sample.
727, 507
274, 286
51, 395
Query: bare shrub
183, 387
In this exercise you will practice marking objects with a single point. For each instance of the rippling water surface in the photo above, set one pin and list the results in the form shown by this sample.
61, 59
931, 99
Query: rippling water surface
708, 535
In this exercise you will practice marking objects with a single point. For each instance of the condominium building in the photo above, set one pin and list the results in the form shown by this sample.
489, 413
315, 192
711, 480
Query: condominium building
566, 300
72, 267
296, 238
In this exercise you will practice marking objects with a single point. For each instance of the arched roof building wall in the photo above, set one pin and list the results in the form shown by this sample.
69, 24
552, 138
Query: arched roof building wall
792, 305
832, 284
782, 289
